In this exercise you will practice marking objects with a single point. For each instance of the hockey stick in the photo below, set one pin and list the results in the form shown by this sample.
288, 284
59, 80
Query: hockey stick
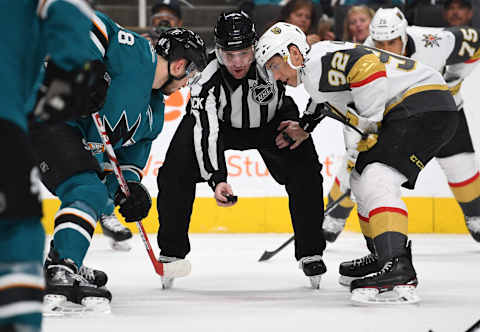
333, 113
269, 254
158, 266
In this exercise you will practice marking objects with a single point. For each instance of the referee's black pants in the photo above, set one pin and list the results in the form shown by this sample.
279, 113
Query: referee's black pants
298, 169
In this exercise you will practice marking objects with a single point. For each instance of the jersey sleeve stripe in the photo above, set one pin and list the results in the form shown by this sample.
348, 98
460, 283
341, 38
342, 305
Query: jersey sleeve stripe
82, 6
97, 43
369, 79
365, 70
473, 60
98, 25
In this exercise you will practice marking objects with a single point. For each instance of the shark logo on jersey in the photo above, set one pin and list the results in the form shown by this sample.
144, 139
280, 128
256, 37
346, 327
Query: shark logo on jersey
431, 40
263, 93
122, 132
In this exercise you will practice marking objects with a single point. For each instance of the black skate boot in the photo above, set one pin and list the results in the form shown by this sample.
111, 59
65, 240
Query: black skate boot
63, 283
117, 232
473, 225
395, 283
313, 267
357, 268
96, 277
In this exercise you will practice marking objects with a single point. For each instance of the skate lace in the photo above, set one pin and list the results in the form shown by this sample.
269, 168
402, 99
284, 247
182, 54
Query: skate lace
61, 274
473, 224
87, 273
111, 222
386, 268
370, 258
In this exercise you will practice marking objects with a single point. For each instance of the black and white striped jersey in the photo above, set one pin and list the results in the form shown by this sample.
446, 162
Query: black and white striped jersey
217, 97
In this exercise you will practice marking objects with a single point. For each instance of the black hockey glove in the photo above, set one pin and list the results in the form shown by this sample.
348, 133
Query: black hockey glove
137, 205
66, 95
309, 121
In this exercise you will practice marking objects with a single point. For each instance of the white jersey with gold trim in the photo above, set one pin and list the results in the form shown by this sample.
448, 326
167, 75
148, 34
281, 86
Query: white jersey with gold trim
451, 51
370, 81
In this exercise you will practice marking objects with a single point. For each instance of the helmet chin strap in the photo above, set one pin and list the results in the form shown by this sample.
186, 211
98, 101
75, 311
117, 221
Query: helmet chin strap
297, 69
170, 79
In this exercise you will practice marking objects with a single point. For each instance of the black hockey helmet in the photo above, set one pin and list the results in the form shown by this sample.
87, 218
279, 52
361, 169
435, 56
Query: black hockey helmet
180, 43
234, 31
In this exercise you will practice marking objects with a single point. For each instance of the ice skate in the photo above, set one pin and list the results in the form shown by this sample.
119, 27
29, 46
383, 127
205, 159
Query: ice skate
357, 268
395, 283
68, 293
118, 233
96, 277
473, 225
314, 268
173, 266
332, 227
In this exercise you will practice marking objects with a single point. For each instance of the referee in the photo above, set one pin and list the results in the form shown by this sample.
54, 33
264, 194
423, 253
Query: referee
235, 106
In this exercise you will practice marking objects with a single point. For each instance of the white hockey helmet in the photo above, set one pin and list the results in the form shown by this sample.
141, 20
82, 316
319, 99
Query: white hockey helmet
388, 24
277, 39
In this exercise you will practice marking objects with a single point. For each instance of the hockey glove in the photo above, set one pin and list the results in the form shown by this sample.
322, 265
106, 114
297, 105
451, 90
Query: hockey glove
137, 205
66, 95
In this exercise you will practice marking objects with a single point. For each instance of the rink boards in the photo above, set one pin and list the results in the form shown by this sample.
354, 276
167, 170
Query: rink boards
270, 215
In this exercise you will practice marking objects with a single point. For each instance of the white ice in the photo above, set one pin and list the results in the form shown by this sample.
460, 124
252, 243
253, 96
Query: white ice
229, 291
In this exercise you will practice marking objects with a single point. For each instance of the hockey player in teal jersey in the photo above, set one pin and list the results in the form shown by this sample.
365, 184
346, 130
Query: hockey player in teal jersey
34, 29
72, 159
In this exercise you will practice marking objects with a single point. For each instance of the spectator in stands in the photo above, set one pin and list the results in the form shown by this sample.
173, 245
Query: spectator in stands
325, 28
458, 12
165, 14
356, 24
302, 14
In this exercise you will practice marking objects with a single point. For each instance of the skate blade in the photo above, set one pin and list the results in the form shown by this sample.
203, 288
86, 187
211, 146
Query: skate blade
58, 306
346, 281
167, 283
120, 245
315, 281
399, 295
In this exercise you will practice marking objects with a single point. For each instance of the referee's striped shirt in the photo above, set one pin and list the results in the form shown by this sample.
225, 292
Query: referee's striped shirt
246, 103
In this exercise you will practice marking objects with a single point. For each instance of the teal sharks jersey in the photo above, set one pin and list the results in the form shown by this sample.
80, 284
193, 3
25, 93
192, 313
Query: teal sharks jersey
133, 114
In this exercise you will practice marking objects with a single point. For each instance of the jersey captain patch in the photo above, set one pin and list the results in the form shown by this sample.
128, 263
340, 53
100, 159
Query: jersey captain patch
431, 40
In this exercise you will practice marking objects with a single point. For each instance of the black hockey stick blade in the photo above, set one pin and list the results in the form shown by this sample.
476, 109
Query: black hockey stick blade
269, 254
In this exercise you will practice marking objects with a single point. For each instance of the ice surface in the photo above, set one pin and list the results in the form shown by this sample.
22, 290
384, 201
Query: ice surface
230, 291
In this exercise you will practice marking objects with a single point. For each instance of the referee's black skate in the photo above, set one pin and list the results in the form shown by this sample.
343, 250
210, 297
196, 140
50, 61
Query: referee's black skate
357, 268
68, 293
395, 283
118, 233
314, 268
96, 277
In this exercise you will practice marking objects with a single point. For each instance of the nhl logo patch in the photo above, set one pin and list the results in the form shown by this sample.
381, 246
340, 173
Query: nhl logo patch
263, 93
431, 40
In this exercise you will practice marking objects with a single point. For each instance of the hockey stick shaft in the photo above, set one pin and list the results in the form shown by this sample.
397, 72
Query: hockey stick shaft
337, 115
269, 254
158, 266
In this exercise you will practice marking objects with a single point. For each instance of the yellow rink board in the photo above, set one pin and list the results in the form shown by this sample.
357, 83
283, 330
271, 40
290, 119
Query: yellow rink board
271, 215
